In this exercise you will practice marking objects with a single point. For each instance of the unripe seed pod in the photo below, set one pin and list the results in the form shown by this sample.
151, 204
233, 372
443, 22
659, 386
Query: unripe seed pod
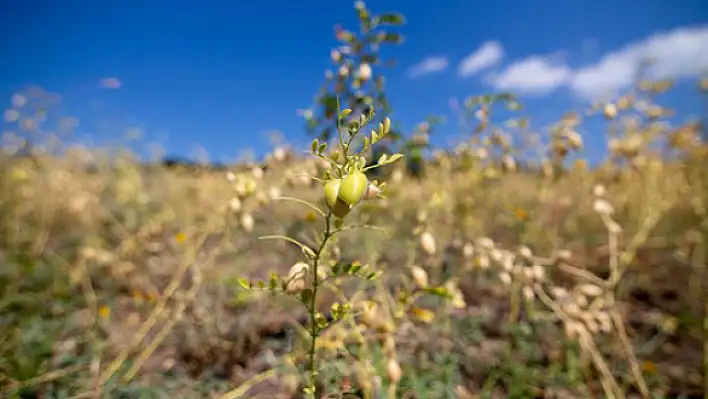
338, 207
353, 188
331, 190
341, 209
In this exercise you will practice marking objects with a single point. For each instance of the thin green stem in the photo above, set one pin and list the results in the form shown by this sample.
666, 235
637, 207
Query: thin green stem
314, 331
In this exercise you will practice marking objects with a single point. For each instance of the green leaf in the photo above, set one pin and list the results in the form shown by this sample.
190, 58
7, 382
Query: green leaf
374, 137
394, 158
368, 58
321, 321
438, 291
243, 282
423, 315
321, 149
391, 19
346, 268
336, 268
374, 275
314, 145
394, 38
355, 268
273, 283
382, 159
261, 285
345, 113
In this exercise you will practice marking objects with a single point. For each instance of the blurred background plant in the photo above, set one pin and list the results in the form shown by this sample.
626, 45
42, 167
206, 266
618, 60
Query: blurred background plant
512, 266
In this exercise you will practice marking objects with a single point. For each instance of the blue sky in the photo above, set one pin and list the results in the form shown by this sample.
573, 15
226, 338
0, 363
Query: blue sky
222, 74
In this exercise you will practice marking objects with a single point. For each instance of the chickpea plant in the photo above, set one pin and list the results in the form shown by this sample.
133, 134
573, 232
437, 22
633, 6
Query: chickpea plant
345, 185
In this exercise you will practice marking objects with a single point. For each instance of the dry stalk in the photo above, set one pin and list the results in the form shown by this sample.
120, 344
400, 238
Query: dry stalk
618, 265
587, 344
51, 376
167, 328
246, 386
155, 316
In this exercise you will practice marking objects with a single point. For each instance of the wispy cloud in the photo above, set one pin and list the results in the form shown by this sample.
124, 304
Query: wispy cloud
111, 83
675, 54
533, 75
678, 53
429, 65
487, 55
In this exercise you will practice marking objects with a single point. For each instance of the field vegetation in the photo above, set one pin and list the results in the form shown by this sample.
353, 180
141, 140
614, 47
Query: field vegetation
476, 272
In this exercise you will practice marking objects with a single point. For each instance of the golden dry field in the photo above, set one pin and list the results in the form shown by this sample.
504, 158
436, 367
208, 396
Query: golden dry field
483, 277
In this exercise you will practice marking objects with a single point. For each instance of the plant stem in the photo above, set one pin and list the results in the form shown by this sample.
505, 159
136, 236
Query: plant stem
312, 309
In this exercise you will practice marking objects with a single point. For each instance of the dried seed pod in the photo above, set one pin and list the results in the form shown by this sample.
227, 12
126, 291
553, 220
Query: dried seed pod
572, 309
539, 273
296, 279
590, 290
419, 276
468, 250
505, 278
427, 243
605, 321
581, 300
247, 222
372, 191
590, 322
393, 369
559, 292
525, 252
610, 111
573, 329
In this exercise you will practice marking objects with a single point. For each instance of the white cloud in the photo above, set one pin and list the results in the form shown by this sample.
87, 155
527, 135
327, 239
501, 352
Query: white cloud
428, 65
679, 53
676, 54
487, 55
533, 75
